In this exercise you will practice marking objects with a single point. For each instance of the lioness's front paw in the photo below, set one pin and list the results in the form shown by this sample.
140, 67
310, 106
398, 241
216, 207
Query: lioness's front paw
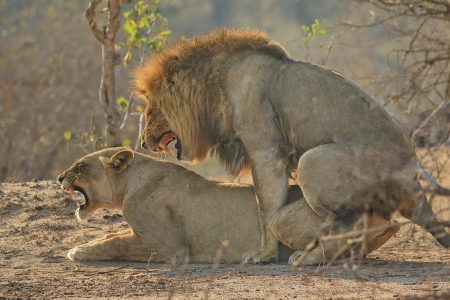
77, 253
259, 257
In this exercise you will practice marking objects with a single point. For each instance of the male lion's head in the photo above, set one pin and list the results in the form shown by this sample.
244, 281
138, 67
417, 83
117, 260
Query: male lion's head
157, 134
187, 106
95, 176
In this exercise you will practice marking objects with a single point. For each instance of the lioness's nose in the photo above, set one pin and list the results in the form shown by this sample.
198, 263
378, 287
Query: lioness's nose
60, 178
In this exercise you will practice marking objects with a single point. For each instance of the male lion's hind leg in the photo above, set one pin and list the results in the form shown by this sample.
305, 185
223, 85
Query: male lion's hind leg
322, 253
123, 245
297, 226
341, 180
337, 179
312, 258
327, 251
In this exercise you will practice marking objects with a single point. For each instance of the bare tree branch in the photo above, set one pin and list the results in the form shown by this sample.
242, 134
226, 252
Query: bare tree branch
90, 16
435, 187
428, 119
421, 26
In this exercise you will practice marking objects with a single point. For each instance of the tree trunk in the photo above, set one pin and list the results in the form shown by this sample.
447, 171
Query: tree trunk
106, 37
107, 95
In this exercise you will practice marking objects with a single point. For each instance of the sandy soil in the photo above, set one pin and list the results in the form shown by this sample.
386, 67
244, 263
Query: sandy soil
37, 228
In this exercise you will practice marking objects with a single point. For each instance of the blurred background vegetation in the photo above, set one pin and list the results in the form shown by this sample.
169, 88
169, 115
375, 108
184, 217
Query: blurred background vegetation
50, 65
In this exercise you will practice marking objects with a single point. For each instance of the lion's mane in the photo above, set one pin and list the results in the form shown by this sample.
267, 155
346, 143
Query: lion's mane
185, 80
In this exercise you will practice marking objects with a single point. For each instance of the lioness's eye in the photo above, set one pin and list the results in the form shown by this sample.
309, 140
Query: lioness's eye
80, 166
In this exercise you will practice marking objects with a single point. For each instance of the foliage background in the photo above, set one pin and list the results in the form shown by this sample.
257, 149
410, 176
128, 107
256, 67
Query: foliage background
50, 68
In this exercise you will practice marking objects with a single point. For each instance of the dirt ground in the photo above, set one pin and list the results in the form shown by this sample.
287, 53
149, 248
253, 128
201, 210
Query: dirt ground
38, 227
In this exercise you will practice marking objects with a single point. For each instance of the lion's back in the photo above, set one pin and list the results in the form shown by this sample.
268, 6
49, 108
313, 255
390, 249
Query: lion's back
320, 106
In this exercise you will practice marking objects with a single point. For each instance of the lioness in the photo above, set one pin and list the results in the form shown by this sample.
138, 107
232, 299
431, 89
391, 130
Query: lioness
237, 95
173, 212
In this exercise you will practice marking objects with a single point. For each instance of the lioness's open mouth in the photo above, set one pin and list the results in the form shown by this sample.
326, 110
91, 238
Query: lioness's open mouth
81, 206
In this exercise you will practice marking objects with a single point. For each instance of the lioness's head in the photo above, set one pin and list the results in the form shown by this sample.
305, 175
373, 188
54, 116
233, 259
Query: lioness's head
99, 178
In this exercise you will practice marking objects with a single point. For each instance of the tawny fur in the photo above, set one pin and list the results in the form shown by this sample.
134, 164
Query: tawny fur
194, 68
237, 95
176, 214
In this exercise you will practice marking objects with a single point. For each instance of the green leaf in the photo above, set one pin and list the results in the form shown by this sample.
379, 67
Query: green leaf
126, 143
313, 31
305, 28
67, 135
123, 103
139, 108
165, 32
130, 27
140, 22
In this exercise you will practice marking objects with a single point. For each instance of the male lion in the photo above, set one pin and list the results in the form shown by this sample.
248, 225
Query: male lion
237, 95
174, 212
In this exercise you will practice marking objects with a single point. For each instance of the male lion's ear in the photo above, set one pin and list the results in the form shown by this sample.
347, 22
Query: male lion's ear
121, 160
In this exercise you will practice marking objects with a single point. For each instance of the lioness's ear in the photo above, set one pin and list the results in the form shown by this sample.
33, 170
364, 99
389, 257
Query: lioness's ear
105, 161
121, 160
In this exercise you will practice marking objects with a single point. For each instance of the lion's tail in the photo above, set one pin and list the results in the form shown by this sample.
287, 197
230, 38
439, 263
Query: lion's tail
419, 211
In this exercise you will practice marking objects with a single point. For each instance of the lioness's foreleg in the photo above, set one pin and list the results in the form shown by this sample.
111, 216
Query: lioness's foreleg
110, 235
120, 246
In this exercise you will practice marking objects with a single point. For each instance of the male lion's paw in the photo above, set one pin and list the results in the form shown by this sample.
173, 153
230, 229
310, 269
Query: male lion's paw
77, 253
259, 257
294, 259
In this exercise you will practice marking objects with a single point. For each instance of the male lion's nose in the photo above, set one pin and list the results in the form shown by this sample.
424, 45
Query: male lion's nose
143, 144
60, 178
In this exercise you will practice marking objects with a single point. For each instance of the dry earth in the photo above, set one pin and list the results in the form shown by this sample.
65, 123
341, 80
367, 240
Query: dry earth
37, 228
